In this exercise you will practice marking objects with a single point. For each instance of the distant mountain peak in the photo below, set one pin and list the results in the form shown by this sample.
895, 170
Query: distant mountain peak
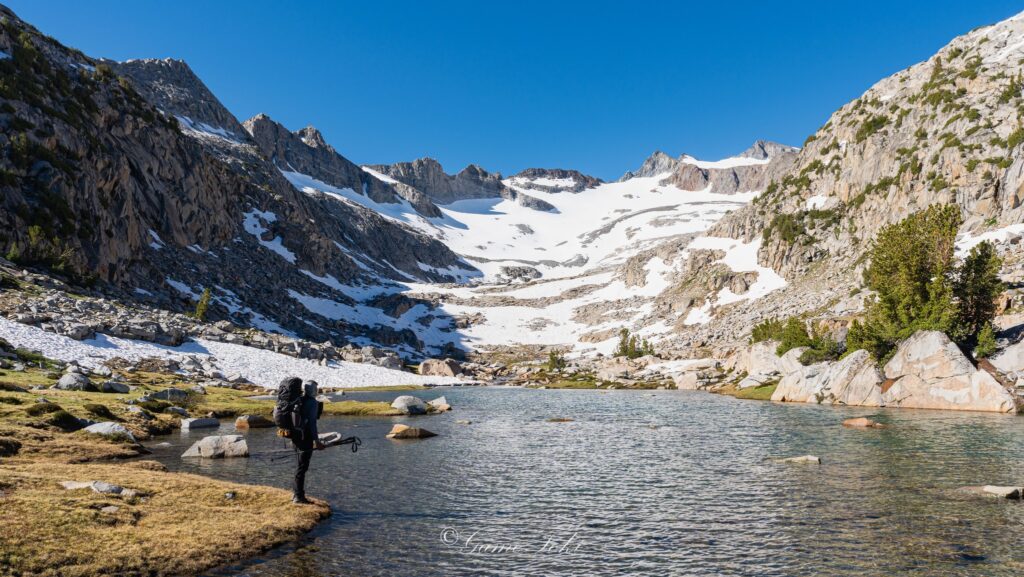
766, 149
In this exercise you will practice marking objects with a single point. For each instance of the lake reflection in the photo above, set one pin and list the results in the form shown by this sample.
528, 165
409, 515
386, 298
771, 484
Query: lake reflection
647, 483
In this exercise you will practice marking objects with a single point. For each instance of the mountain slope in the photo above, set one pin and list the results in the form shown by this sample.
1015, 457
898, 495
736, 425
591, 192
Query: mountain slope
108, 187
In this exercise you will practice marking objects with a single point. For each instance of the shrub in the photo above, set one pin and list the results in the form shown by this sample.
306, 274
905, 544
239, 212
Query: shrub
976, 286
9, 446
768, 330
154, 406
556, 361
986, 342
100, 411
42, 409
10, 401
64, 420
871, 126
793, 335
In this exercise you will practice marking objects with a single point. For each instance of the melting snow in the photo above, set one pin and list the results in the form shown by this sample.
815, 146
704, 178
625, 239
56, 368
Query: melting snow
264, 368
253, 225
968, 241
726, 162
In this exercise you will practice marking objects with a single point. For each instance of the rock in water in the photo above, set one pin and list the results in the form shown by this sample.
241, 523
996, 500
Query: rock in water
74, 382
809, 459
199, 423
440, 368
409, 405
406, 432
109, 429
996, 491
218, 447
862, 423
440, 404
253, 422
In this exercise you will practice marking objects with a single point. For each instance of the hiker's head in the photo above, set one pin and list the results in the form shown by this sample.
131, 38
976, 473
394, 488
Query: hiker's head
309, 388
292, 384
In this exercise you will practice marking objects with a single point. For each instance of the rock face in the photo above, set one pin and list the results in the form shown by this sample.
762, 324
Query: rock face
219, 447
440, 368
854, 380
427, 176
751, 170
554, 180
152, 190
928, 371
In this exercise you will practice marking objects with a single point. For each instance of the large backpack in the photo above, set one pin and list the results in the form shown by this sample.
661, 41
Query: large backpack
288, 411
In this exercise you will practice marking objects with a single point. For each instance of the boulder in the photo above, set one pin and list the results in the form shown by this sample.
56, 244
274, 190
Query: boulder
108, 429
406, 432
103, 371
253, 422
1010, 360
440, 404
854, 380
177, 411
100, 487
218, 447
688, 381
862, 423
199, 423
74, 382
114, 387
440, 368
929, 371
409, 405
172, 395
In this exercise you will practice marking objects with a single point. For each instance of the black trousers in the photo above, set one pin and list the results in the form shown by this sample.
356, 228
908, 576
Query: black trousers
302, 465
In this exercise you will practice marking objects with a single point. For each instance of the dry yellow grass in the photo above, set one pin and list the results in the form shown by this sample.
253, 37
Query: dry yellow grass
183, 526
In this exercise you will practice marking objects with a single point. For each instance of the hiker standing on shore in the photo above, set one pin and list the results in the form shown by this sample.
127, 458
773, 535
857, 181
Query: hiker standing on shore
296, 415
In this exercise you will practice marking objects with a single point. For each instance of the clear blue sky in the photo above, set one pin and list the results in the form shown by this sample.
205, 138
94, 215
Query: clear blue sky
508, 85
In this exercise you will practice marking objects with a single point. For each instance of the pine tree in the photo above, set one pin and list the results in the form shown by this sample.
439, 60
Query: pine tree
794, 334
976, 287
203, 305
986, 342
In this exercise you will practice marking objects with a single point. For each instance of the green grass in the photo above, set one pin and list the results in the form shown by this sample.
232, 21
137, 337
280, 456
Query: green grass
762, 393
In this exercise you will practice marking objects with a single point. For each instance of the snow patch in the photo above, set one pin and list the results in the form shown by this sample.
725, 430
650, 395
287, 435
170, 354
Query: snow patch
253, 224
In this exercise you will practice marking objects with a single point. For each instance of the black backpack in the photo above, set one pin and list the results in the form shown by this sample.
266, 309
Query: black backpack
288, 411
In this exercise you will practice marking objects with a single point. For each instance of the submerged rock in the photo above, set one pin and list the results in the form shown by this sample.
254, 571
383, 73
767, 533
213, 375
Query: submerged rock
218, 447
809, 459
400, 431
862, 423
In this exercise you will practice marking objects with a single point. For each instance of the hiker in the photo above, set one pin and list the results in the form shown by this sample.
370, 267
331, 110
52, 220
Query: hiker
296, 415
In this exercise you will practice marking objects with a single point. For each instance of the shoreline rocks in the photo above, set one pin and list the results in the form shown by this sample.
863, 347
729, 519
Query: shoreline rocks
401, 431
218, 447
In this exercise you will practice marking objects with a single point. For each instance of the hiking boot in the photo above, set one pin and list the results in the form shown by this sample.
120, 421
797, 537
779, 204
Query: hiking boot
301, 500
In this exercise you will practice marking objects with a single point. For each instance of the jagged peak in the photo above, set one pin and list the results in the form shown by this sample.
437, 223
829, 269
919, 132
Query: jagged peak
767, 149
657, 163
313, 137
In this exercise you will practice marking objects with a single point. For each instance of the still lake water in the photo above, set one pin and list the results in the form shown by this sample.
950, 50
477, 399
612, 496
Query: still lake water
646, 483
